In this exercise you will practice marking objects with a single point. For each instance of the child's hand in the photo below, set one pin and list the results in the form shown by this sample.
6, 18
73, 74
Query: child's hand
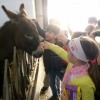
35, 20
64, 96
45, 44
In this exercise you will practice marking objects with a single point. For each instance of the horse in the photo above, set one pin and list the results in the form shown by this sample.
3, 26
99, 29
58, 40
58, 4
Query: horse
21, 32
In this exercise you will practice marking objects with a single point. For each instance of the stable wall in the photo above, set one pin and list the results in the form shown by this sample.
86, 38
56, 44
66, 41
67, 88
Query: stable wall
14, 5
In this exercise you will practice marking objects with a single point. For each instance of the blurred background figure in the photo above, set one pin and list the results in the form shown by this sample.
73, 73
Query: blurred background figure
98, 25
89, 29
54, 21
92, 21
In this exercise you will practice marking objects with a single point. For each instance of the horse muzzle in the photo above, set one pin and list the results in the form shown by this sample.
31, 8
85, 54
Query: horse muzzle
38, 53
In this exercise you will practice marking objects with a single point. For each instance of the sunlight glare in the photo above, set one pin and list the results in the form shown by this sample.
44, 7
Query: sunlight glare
73, 13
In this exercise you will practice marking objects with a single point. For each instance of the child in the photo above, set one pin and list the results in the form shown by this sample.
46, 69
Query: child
54, 65
80, 70
92, 21
95, 34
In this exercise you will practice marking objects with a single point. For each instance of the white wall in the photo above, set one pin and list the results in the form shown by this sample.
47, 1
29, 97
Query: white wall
39, 12
14, 5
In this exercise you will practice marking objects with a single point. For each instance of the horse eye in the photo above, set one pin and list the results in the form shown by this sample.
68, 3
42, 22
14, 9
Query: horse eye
29, 36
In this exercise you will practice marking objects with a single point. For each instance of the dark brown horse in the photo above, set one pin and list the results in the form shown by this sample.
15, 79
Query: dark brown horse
21, 32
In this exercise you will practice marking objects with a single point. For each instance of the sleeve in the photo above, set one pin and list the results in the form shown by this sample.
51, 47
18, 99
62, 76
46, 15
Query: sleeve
87, 93
59, 51
97, 34
40, 30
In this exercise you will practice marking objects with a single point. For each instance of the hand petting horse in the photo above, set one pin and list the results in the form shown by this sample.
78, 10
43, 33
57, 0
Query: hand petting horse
21, 32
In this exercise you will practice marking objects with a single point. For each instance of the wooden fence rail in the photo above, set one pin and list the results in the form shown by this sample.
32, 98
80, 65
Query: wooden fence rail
20, 76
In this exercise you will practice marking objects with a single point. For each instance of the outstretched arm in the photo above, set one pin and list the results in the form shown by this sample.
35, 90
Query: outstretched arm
56, 49
40, 30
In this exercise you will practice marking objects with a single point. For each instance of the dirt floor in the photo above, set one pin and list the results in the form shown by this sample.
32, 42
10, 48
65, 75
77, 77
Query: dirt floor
40, 84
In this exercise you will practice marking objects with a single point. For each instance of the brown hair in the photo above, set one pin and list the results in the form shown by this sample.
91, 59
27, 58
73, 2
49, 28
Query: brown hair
53, 28
91, 50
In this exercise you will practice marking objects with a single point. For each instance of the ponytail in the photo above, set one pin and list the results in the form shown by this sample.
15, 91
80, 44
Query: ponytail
94, 72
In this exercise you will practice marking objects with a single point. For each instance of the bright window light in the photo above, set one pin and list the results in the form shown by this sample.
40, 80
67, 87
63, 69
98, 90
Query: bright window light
73, 13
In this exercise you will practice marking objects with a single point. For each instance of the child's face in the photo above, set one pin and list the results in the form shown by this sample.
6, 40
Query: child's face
50, 36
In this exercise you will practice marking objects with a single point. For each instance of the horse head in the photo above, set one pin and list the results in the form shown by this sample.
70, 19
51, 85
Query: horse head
22, 32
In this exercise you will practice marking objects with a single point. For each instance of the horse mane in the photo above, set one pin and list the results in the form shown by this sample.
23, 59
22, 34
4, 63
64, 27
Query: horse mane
7, 32
5, 29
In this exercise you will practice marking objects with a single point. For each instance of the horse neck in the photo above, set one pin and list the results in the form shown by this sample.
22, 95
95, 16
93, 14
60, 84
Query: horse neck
6, 41
7, 33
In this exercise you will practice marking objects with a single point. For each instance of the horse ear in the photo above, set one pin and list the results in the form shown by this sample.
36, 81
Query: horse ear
10, 14
22, 10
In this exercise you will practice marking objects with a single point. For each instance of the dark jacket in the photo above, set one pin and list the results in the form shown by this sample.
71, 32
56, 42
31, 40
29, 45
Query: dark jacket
50, 59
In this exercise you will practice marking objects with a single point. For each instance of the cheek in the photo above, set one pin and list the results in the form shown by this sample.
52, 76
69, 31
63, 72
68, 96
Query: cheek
70, 57
50, 37
47, 37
